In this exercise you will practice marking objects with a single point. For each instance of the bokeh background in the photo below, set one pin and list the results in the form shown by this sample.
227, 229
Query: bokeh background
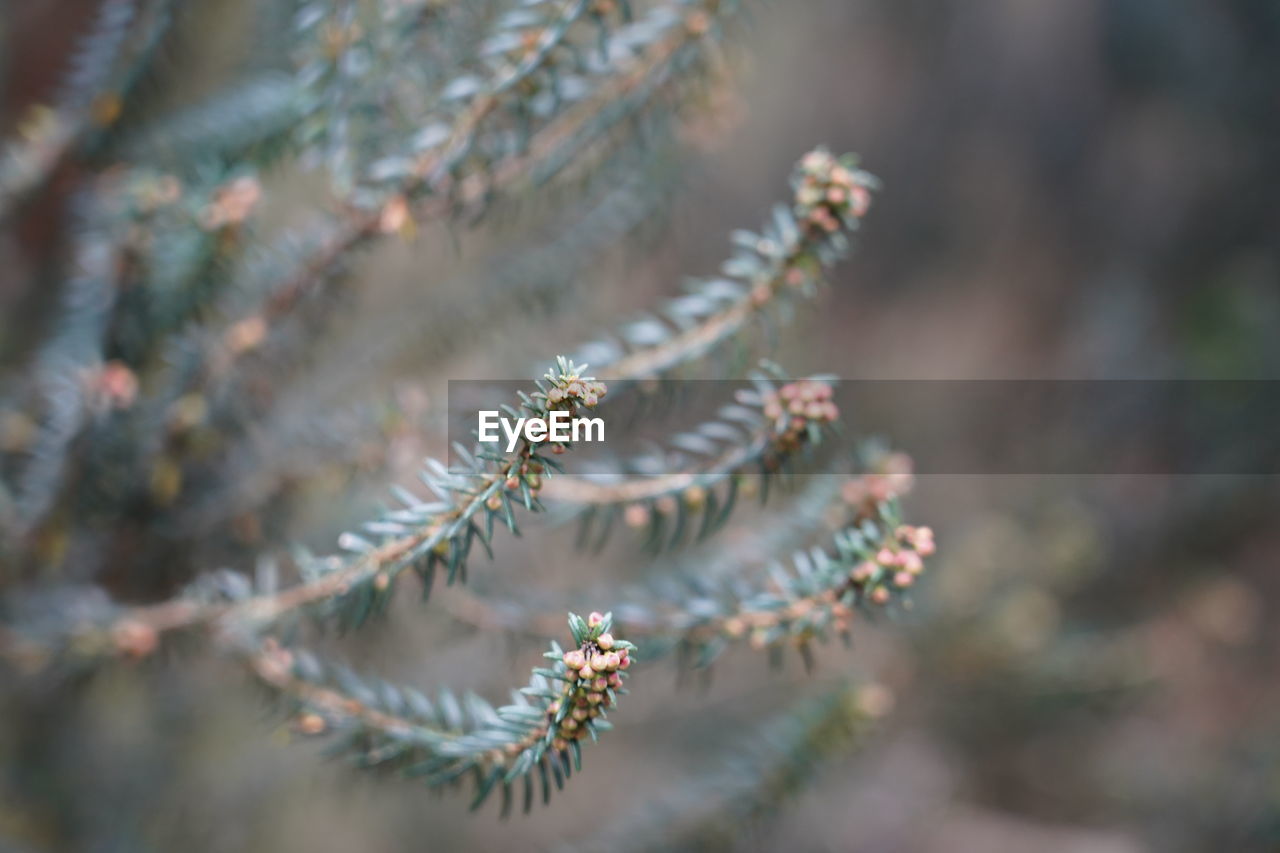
1072, 189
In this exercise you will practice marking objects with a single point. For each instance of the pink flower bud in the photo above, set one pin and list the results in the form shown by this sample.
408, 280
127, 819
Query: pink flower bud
595, 619
579, 714
880, 595
904, 579
611, 661
605, 641
575, 659
861, 201
615, 680
599, 662
885, 557
600, 684
586, 673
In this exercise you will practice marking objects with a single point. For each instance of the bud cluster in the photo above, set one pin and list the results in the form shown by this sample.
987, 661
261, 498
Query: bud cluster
563, 390
797, 406
896, 565
830, 191
593, 675
568, 391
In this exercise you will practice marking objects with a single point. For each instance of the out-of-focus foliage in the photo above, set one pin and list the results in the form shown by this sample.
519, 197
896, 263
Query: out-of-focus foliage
1071, 189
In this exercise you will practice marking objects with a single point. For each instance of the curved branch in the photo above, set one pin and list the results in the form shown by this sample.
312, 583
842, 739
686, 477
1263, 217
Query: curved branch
108, 64
396, 727
787, 259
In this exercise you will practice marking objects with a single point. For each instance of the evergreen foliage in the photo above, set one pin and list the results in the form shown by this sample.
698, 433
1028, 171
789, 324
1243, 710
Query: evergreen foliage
187, 315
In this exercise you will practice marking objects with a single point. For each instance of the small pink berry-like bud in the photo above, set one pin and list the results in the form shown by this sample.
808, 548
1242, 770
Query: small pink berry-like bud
885, 557
599, 662
586, 673
615, 680
605, 641
861, 201
911, 561
863, 572
575, 659
612, 661
595, 698
880, 595
559, 744
554, 707
494, 503
925, 548
568, 724
512, 484
600, 684
579, 714
904, 579
624, 663
636, 515
595, 618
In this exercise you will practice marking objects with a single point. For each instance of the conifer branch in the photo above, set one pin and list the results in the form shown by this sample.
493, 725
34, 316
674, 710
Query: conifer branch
786, 259
539, 735
108, 63
454, 173
763, 431
870, 560
421, 536
70, 375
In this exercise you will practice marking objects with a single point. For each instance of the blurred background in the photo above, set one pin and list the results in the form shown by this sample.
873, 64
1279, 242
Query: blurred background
1084, 189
